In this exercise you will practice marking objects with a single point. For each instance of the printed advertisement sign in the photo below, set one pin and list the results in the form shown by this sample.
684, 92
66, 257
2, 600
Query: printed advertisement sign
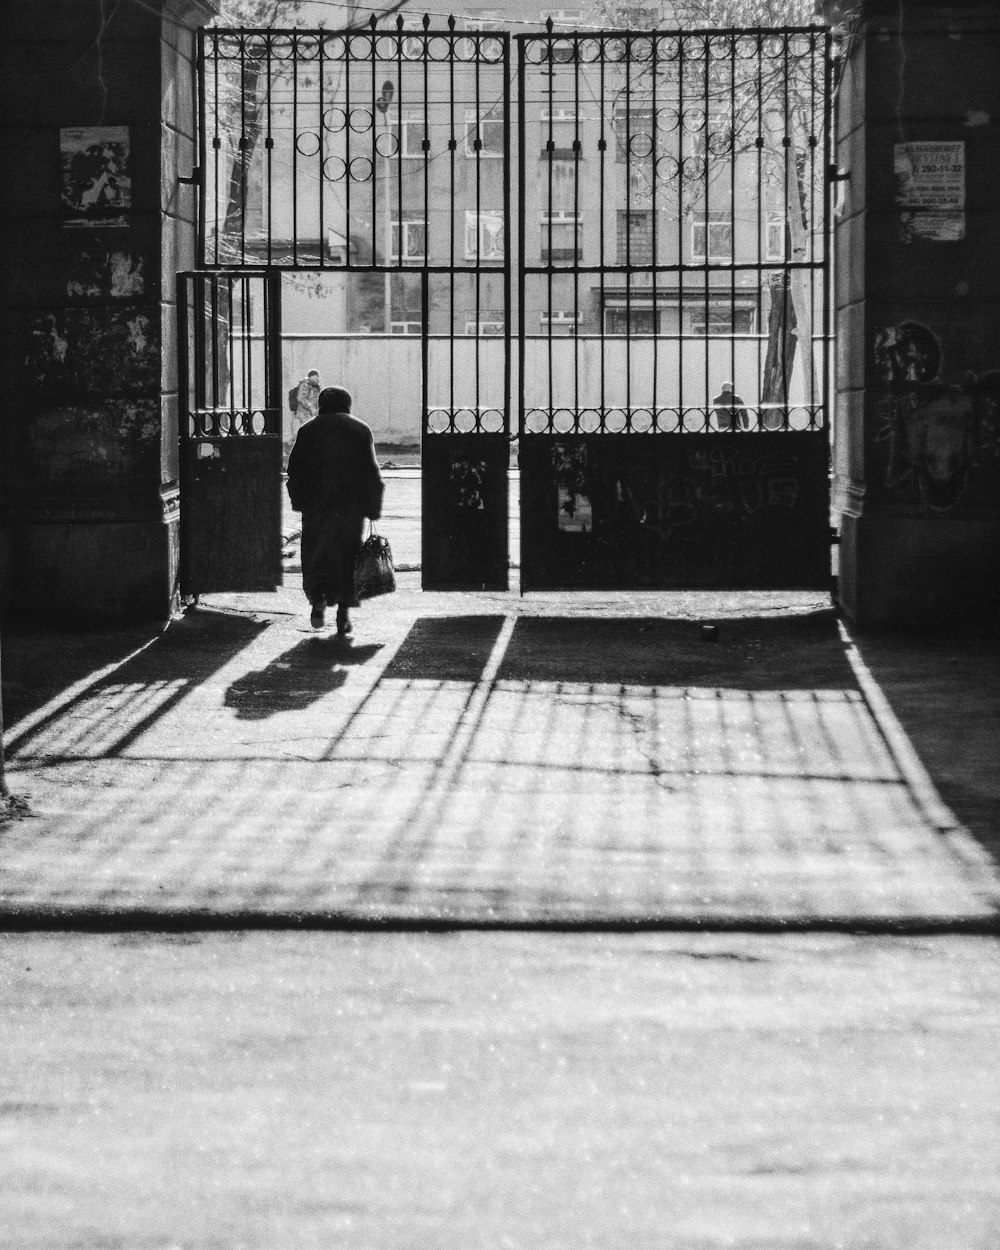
930, 190
96, 183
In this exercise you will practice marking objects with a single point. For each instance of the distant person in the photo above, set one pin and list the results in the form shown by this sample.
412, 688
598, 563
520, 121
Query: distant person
729, 409
335, 482
303, 402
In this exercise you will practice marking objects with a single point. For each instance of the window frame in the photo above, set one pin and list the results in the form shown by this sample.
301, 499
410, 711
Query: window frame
475, 131
398, 236
704, 222
477, 219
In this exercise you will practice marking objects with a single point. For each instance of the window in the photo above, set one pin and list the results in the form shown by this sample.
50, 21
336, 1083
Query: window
559, 191
720, 317
484, 134
486, 329
631, 321
413, 235
712, 237
485, 19
560, 323
560, 128
567, 19
634, 139
561, 240
775, 237
413, 45
404, 327
484, 236
414, 136
635, 237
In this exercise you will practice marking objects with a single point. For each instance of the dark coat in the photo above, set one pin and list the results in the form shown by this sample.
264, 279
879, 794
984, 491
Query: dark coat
335, 482
332, 467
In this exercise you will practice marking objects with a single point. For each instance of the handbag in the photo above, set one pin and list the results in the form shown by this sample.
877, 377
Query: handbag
374, 573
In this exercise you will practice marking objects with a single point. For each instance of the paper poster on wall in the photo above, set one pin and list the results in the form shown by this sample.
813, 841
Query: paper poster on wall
96, 182
930, 190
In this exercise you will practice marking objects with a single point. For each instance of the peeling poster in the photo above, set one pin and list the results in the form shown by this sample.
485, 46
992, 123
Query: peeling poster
930, 190
96, 182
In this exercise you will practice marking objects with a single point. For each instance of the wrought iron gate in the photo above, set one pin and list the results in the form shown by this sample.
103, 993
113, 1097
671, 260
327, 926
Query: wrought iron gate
673, 255
670, 237
229, 372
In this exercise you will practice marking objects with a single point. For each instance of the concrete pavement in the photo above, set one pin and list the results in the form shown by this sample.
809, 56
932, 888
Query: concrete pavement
290, 1091
490, 759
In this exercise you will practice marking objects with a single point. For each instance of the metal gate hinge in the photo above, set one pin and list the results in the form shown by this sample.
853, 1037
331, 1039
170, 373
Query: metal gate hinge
836, 174
192, 178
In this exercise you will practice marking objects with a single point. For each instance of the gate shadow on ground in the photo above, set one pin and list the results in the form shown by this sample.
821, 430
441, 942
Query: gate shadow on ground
752, 653
944, 689
297, 678
112, 712
448, 648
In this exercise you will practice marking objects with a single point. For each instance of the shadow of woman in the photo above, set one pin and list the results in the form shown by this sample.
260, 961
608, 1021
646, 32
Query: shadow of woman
311, 669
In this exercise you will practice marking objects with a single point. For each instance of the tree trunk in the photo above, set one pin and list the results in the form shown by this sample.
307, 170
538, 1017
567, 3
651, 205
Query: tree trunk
781, 340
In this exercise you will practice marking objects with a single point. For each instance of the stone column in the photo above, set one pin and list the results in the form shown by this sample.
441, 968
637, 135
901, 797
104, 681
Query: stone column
917, 293
98, 118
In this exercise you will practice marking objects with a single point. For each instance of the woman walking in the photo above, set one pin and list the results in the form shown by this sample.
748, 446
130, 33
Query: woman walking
335, 482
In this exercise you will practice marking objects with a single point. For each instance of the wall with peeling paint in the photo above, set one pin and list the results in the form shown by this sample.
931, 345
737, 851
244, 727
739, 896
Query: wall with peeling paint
917, 429
88, 429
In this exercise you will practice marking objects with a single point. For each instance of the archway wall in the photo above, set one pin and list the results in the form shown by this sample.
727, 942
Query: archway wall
917, 295
97, 103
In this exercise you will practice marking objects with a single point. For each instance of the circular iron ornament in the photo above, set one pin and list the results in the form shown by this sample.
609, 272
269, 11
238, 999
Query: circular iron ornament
693, 120
615, 49
256, 47
667, 168
360, 121
589, 421
640, 145
464, 421
667, 119
334, 121
668, 48
307, 143
491, 421
747, 47
642, 48
491, 50
564, 421
720, 47
258, 423
334, 47
361, 169
536, 52
307, 47
615, 421
334, 169
386, 48
773, 47
228, 47
386, 144
721, 141
282, 48
668, 420
437, 48
800, 46
361, 48
537, 421
589, 50
642, 421
438, 421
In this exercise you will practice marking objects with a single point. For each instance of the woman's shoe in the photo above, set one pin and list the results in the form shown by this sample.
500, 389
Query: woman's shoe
344, 625
318, 617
